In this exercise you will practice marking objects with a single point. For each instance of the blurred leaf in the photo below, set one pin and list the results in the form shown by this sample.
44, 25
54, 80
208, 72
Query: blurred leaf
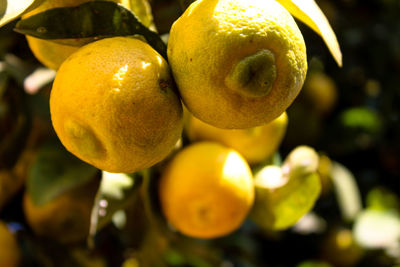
98, 19
12, 9
361, 118
309, 13
301, 161
279, 204
314, 263
346, 190
39, 78
376, 229
310, 223
380, 198
55, 171
116, 191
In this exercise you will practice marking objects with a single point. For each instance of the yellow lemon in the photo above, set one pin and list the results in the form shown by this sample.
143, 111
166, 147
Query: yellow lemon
52, 54
254, 144
237, 63
206, 191
9, 251
65, 218
114, 105
341, 249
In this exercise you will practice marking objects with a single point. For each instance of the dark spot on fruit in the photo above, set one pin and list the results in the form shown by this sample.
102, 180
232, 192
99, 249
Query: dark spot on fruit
164, 85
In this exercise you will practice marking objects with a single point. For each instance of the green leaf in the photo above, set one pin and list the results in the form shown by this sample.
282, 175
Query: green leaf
309, 13
285, 194
12, 9
116, 191
282, 200
346, 191
381, 198
55, 171
95, 19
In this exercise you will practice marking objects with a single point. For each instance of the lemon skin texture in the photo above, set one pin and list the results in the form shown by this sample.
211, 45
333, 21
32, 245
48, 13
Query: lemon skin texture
207, 190
114, 105
237, 64
52, 54
254, 144
9, 252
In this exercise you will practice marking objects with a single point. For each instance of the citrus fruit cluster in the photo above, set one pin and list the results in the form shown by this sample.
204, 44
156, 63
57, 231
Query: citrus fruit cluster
236, 65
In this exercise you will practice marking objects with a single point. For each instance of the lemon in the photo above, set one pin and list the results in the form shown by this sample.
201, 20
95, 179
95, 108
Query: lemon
207, 190
9, 251
237, 63
12, 180
254, 144
340, 248
113, 104
320, 92
66, 218
52, 54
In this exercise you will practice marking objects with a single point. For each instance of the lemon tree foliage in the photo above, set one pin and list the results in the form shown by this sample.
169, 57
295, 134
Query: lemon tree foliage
98, 19
284, 194
55, 171
308, 12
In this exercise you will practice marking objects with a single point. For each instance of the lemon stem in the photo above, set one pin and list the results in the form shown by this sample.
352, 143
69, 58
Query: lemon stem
254, 75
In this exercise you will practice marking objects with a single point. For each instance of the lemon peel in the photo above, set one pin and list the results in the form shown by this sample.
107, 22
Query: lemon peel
206, 190
114, 105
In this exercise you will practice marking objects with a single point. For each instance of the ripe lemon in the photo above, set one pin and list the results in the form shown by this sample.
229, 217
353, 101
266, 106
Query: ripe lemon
9, 251
52, 54
237, 63
66, 218
206, 191
254, 144
114, 105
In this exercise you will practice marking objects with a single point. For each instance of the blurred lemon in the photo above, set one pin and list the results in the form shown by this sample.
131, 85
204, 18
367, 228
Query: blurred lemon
341, 249
206, 191
114, 105
9, 251
254, 144
320, 92
237, 63
66, 218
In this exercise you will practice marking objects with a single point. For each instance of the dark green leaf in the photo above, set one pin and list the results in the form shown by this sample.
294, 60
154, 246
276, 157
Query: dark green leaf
98, 19
55, 171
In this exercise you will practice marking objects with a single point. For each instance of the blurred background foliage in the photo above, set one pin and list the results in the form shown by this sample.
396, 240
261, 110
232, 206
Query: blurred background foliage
350, 115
